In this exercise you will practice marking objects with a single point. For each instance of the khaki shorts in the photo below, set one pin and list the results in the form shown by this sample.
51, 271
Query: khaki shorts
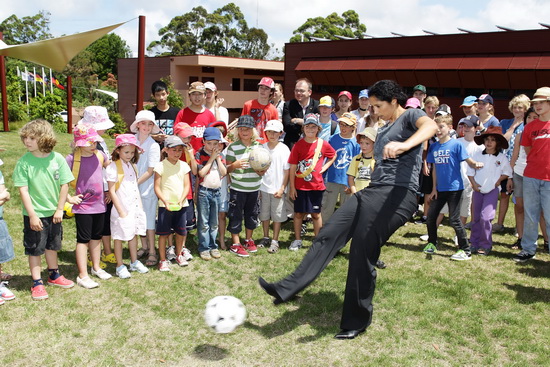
272, 208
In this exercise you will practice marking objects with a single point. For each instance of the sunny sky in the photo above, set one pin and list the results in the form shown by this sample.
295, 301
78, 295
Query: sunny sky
280, 18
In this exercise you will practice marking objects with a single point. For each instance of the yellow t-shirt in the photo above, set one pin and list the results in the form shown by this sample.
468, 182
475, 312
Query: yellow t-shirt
172, 176
361, 169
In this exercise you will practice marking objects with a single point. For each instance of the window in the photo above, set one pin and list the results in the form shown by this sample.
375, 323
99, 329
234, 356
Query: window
235, 84
208, 69
193, 79
251, 85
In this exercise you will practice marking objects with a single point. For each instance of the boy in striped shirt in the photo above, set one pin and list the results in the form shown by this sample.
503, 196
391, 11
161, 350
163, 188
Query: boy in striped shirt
244, 187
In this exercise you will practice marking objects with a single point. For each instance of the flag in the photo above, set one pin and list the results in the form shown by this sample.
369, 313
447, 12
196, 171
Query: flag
30, 77
57, 83
38, 78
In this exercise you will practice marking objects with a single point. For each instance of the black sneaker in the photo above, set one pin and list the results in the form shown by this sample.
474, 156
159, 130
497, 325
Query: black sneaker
523, 257
380, 264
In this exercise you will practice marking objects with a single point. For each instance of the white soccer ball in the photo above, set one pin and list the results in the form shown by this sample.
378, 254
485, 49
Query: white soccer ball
259, 159
224, 314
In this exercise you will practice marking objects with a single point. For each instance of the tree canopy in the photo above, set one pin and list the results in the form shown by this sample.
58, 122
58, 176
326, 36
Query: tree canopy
224, 32
347, 25
27, 29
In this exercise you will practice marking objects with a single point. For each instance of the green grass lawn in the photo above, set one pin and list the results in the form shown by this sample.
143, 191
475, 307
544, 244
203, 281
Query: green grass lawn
429, 311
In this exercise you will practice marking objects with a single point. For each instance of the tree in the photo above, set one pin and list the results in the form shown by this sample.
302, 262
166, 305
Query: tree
105, 53
27, 29
224, 32
347, 25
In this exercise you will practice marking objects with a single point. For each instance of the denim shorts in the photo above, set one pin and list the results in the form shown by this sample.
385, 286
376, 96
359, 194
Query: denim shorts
6, 245
37, 242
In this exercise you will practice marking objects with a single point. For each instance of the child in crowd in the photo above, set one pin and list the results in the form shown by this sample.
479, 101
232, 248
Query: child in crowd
127, 217
274, 183
446, 155
98, 118
244, 187
336, 179
87, 163
362, 165
260, 108
344, 104
362, 113
211, 170
214, 103
42, 177
170, 173
185, 133
486, 184
329, 127
165, 115
144, 126
307, 165
6, 244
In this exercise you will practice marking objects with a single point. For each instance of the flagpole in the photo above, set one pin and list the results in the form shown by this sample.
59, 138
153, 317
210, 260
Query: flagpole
34, 73
51, 82
43, 82
27, 89
3, 86
19, 76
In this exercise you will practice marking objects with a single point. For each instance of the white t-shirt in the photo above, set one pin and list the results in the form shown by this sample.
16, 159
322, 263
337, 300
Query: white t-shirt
224, 114
273, 178
493, 168
471, 148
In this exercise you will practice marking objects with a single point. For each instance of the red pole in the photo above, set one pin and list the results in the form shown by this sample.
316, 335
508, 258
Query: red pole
69, 104
4, 89
141, 63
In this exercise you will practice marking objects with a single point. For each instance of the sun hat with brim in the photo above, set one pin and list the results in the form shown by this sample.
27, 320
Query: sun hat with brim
369, 132
542, 94
145, 115
98, 117
495, 131
183, 130
85, 136
348, 119
127, 139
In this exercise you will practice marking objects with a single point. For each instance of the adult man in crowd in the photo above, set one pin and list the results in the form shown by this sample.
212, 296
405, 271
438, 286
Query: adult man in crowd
295, 110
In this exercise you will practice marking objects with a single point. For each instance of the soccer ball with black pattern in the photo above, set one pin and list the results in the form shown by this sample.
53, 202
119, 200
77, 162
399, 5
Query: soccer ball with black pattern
223, 314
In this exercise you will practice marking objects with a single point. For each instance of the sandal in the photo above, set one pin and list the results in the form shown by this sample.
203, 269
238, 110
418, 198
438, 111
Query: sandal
142, 252
152, 260
5, 276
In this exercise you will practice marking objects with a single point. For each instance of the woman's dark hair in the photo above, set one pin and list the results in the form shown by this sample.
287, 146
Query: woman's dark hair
529, 110
386, 90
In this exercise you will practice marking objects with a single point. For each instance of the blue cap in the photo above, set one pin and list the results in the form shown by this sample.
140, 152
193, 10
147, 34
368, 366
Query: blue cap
469, 101
486, 98
212, 133
311, 118
364, 93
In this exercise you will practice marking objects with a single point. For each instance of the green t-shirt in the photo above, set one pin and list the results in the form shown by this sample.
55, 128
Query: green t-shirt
43, 177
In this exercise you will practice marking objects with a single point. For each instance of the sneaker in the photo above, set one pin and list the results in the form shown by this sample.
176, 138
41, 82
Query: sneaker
239, 250
101, 274
430, 248
205, 255
62, 282
461, 255
468, 225
5, 293
303, 231
250, 246
86, 282
39, 292
108, 258
264, 242
215, 253
187, 254
122, 272
274, 247
380, 264
497, 228
170, 253
139, 267
295, 245
164, 265
424, 237
102, 265
523, 257
180, 260
422, 220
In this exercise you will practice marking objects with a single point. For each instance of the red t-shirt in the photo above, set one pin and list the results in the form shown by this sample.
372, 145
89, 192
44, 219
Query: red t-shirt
261, 114
302, 155
198, 121
536, 135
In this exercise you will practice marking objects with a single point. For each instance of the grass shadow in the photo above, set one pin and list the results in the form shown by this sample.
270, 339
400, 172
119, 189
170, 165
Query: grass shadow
208, 352
526, 294
320, 310
536, 269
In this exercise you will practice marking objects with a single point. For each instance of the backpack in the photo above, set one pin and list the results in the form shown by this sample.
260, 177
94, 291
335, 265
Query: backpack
77, 157
120, 173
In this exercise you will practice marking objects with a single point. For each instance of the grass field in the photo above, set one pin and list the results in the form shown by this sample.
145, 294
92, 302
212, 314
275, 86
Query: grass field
429, 311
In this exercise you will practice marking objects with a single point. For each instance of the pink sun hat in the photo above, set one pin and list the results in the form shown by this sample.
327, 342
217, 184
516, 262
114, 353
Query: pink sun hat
127, 139
85, 136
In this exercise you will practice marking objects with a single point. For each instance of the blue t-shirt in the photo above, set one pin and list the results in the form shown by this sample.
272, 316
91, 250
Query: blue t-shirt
447, 158
326, 133
345, 149
493, 121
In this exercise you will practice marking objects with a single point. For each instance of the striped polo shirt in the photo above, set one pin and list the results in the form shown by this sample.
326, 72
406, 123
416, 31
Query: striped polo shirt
246, 180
